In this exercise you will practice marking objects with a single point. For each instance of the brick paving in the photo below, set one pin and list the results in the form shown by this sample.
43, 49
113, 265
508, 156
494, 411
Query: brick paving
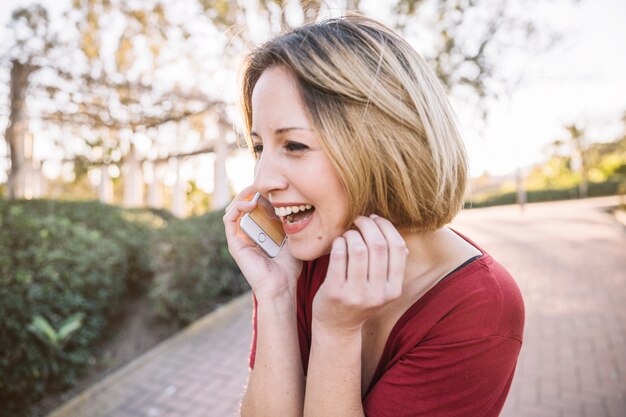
200, 372
569, 259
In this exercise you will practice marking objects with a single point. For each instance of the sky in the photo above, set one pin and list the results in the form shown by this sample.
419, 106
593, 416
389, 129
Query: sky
581, 80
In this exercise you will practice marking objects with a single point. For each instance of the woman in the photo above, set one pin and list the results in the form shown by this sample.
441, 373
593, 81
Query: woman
373, 307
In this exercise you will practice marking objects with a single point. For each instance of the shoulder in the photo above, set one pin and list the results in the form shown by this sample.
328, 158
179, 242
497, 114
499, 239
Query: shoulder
481, 300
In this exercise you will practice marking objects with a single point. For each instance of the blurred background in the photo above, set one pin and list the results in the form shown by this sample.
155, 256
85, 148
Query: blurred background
135, 103
121, 135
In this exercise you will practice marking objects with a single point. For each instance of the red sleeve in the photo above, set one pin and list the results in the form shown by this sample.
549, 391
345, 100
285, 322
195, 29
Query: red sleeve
254, 331
469, 378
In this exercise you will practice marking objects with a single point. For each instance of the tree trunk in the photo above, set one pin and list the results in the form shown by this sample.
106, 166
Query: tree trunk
17, 127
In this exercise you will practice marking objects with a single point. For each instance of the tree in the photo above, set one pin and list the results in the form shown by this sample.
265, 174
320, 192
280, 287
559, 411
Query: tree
103, 85
121, 93
465, 41
32, 39
101, 98
578, 145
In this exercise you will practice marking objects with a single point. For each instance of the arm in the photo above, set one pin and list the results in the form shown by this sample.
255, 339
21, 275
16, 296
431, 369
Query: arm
334, 377
276, 384
365, 272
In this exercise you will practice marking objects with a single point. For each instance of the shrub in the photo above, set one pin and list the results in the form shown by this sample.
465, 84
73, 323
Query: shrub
130, 229
65, 269
193, 267
60, 281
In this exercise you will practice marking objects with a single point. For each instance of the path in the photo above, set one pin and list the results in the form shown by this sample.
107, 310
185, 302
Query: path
569, 259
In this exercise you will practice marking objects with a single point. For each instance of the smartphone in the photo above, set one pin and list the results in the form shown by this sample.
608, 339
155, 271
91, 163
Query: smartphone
264, 227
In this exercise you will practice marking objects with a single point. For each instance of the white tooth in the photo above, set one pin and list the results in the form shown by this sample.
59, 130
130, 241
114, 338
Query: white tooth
286, 211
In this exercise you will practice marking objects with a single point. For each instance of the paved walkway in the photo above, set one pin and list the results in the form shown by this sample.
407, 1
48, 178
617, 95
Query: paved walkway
569, 259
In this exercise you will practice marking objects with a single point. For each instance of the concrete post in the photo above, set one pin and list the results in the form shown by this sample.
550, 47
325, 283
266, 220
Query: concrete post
521, 190
133, 180
179, 197
155, 188
221, 192
105, 188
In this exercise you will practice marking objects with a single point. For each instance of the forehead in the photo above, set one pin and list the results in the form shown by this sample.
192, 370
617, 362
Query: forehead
276, 100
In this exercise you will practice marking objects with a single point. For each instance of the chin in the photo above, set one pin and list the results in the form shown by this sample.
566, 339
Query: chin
306, 252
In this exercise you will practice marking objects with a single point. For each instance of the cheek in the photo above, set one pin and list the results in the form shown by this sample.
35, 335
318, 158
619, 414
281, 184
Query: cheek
335, 206
335, 225
342, 205
334, 196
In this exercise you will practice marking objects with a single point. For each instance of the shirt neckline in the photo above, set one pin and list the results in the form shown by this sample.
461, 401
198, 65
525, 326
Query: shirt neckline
410, 312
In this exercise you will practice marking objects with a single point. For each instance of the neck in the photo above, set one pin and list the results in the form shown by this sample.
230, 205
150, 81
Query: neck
433, 254
425, 253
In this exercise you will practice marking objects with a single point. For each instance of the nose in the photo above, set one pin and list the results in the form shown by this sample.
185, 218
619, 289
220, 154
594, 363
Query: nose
268, 174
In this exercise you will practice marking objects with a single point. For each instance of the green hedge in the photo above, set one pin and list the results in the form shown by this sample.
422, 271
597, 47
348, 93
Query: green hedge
534, 196
60, 282
131, 229
65, 270
195, 269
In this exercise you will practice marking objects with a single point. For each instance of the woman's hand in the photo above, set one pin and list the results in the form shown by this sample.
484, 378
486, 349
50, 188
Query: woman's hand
365, 272
268, 277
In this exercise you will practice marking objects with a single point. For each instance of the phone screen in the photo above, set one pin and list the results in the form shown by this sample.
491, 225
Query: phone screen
265, 216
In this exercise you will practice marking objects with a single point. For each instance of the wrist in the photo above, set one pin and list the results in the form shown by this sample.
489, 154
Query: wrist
283, 302
323, 332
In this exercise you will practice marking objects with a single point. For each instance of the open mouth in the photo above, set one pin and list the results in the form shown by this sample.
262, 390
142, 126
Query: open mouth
294, 214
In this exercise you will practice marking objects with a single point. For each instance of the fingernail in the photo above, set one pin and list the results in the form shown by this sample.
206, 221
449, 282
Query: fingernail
374, 216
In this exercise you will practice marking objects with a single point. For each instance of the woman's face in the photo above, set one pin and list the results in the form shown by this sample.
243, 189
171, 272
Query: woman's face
293, 170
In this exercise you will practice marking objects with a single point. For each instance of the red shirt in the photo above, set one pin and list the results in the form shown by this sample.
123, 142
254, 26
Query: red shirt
452, 353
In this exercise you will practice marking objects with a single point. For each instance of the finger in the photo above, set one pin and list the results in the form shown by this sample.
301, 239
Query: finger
237, 209
244, 195
232, 216
357, 257
376, 247
397, 251
336, 273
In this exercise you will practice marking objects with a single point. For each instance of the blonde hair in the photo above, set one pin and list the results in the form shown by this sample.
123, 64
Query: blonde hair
381, 115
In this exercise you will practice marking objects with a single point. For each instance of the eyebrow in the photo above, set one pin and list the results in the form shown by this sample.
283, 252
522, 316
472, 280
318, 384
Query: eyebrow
281, 131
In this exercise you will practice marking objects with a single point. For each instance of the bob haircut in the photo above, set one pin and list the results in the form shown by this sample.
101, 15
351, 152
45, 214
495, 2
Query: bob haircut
380, 114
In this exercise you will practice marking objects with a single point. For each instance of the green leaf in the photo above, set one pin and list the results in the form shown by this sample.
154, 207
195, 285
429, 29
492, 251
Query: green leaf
44, 330
69, 326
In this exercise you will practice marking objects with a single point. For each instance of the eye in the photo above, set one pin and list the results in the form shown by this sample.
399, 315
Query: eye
295, 146
257, 148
